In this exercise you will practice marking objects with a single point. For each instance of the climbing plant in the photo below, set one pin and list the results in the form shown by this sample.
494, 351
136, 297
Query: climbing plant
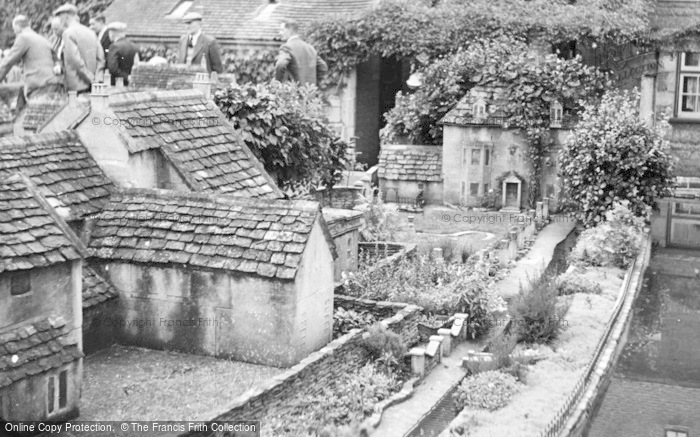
284, 125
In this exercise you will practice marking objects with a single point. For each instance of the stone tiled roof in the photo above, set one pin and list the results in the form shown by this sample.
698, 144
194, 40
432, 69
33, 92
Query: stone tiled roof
493, 97
30, 235
10, 91
675, 15
254, 236
41, 110
61, 166
96, 289
410, 163
163, 77
35, 348
193, 134
250, 20
340, 221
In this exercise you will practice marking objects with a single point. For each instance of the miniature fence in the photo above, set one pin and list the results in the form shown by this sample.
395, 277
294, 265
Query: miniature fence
565, 414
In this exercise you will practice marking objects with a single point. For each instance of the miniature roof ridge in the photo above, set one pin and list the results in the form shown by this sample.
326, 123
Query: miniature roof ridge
38, 138
132, 97
225, 199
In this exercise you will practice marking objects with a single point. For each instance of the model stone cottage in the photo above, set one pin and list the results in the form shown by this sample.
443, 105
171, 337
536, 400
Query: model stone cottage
40, 307
254, 276
408, 171
482, 153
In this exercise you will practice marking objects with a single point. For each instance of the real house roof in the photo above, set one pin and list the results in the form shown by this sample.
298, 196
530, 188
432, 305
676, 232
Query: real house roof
192, 133
30, 235
253, 236
410, 163
251, 20
60, 165
35, 348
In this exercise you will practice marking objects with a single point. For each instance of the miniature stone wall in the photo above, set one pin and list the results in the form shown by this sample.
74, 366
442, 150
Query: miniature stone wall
338, 197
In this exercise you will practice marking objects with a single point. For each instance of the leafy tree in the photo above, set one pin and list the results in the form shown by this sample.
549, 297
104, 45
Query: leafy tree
611, 156
284, 125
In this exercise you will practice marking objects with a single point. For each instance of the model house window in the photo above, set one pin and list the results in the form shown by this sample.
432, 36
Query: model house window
57, 392
556, 113
479, 109
676, 433
689, 84
486, 189
487, 157
474, 189
20, 283
476, 156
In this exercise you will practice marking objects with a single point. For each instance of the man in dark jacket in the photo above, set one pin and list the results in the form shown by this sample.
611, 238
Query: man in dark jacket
297, 60
196, 46
121, 54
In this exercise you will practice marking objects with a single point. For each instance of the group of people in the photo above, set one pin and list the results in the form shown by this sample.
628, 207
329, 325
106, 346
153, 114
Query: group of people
73, 59
75, 56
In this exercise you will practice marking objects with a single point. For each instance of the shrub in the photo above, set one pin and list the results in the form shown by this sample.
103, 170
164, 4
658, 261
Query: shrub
284, 125
488, 390
344, 401
345, 320
536, 312
385, 347
614, 242
613, 155
571, 284
379, 221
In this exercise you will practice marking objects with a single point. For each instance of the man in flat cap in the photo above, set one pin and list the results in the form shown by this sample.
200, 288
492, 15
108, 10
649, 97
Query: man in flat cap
194, 45
83, 56
35, 54
121, 54
297, 60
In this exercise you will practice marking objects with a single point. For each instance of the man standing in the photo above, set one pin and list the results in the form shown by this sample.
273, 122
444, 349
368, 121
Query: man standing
83, 56
297, 60
34, 51
121, 54
195, 45
97, 24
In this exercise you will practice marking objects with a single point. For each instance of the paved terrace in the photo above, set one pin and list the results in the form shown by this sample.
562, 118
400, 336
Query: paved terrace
400, 419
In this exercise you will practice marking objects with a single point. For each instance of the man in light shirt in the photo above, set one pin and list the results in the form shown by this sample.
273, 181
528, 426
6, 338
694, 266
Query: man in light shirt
99, 26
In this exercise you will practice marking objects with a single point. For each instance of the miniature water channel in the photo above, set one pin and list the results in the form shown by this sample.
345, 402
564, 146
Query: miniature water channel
655, 389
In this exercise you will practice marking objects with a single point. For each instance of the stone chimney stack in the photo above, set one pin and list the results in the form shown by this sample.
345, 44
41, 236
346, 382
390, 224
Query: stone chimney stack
99, 96
119, 83
203, 83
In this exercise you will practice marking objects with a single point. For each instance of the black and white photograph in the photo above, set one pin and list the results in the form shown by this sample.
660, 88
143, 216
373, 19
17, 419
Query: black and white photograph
350, 218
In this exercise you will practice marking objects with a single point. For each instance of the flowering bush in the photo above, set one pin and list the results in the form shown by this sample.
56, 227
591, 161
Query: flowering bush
612, 155
572, 283
488, 390
284, 125
614, 242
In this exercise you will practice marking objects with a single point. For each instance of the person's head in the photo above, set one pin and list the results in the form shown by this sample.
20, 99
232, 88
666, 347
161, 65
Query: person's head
117, 30
288, 28
68, 14
57, 26
193, 21
19, 23
97, 23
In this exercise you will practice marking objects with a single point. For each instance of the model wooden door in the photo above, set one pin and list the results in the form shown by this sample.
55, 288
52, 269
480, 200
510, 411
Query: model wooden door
512, 195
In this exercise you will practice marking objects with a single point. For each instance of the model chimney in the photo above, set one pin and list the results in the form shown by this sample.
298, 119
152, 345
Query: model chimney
202, 83
99, 96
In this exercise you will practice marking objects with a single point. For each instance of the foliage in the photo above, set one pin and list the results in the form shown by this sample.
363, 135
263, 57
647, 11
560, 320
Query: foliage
346, 320
454, 251
345, 400
386, 348
445, 81
613, 155
283, 124
379, 221
40, 12
568, 284
146, 52
488, 390
250, 66
501, 347
614, 242
536, 312
421, 33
